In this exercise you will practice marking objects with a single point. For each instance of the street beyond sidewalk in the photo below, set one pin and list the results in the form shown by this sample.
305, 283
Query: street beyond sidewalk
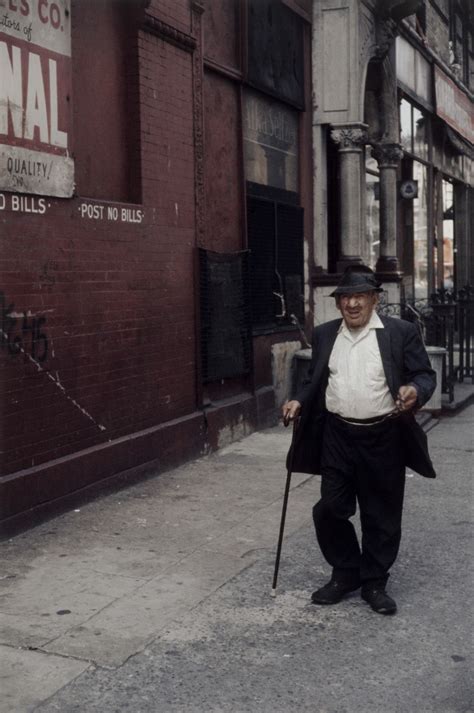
156, 599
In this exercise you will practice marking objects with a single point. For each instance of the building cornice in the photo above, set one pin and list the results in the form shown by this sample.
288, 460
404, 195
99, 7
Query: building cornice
168, 33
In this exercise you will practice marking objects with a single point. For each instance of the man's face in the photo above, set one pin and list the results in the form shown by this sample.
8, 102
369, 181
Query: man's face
357, 308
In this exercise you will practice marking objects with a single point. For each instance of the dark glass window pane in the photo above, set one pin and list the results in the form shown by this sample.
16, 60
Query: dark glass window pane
275, 240
406, 130
420, 130
275, 50
290, 259
261, 243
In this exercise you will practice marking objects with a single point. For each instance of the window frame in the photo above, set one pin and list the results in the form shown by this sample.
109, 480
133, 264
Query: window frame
460, 43
428, 159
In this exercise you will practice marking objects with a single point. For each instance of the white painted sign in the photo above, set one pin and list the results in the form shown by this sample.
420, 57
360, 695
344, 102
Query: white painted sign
35, 91
109, 211
23, 204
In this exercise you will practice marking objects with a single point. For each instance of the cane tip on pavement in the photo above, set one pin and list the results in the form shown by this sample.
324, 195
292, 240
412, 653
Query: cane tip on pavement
273, 593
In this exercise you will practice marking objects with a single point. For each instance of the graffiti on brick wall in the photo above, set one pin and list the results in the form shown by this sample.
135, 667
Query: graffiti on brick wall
22, 333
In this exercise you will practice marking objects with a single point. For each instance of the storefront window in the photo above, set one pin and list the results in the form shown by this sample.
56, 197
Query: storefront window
414, 130
420, 232
275, 220
435, 228
372, 204
450, 152
448, 235
446, 157
468, 170
420, 134
406, 134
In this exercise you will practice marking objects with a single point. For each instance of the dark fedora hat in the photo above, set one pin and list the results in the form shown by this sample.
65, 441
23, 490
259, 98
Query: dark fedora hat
357, 278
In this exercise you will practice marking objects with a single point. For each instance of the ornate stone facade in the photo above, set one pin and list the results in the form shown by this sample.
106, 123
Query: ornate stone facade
198, 120
387, 155
350, 137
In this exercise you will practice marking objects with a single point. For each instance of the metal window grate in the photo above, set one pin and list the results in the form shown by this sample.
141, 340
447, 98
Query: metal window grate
226, 345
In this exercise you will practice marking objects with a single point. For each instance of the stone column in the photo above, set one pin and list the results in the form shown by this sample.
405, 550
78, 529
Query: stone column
388, 156
351, 139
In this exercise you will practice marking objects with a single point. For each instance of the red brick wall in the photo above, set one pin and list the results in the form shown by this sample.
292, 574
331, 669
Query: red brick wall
221, 32
100, 42
99, 357
223, 164
176, 13
115, 299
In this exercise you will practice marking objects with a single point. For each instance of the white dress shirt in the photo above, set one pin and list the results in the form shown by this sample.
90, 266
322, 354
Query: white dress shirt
357, 385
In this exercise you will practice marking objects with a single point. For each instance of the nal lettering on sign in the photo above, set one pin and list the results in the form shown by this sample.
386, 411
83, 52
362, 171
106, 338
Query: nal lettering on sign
35, 97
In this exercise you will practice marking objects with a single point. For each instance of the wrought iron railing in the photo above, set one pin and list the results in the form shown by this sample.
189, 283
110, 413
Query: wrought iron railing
445, 320
442, 327
465, 300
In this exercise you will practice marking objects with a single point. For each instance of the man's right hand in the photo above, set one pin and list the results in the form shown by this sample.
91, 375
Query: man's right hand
290, 410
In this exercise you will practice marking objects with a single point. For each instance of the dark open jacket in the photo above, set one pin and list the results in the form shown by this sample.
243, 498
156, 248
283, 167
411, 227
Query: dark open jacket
405, 361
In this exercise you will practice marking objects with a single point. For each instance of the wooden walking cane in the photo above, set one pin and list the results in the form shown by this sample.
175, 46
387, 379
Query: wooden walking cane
283, 512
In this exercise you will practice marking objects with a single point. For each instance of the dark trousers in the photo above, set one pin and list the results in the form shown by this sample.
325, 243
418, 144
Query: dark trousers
364, 465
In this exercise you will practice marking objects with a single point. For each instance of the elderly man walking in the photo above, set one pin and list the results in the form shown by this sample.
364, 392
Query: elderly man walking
357, 429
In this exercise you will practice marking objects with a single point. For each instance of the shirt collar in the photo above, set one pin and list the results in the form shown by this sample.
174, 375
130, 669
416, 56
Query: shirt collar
374, 323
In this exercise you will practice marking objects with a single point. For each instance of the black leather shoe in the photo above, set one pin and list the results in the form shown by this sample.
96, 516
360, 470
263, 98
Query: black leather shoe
379, 600
333, 592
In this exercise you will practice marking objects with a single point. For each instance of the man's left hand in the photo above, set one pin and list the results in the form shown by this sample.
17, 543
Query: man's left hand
406, 398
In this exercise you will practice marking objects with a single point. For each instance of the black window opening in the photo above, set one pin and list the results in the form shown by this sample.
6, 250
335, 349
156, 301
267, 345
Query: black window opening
334, 205
420, 20
226, 340
462, 40
275, 241
275, 50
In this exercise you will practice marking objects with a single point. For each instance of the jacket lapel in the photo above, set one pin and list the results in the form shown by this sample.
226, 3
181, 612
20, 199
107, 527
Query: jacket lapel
324, 351
385, 346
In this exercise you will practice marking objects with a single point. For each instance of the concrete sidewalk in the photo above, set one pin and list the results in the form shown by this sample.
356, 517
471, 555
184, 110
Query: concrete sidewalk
156, 598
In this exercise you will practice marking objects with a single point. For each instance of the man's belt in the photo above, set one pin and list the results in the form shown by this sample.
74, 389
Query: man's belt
366, 421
